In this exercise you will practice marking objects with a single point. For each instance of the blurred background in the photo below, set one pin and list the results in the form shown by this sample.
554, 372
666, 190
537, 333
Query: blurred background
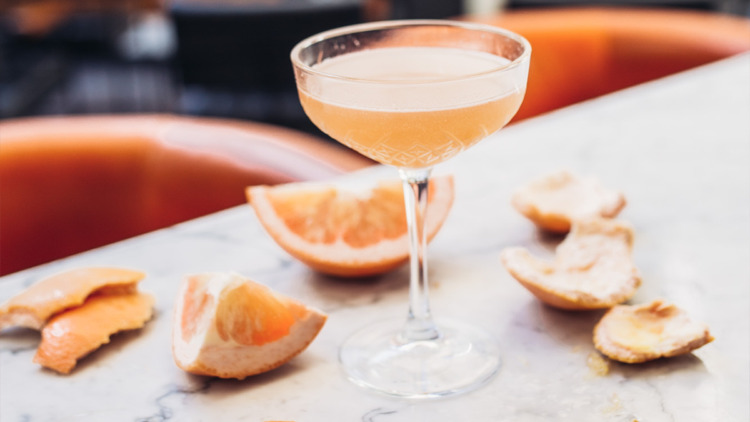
221, 58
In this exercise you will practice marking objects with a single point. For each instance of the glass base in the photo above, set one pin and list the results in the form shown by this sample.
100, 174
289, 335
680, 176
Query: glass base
461, 359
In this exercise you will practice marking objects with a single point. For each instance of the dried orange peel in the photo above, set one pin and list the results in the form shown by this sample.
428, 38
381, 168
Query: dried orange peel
346, 231
634, 334
34, 306
592, 268
228, 326
555, 201
77, 332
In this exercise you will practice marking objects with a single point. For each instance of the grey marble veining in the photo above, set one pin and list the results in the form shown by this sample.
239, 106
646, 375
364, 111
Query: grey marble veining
680, 150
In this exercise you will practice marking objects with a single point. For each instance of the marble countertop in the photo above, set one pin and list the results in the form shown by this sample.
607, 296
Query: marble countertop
680, 150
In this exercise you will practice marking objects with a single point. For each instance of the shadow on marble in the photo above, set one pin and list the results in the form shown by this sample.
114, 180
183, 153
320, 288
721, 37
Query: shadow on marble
338, 293
19, 339
217, 387
660, 367
569, 328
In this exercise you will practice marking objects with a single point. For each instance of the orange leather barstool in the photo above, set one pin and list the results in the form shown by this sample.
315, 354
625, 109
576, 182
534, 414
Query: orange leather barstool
581, 53
70, 184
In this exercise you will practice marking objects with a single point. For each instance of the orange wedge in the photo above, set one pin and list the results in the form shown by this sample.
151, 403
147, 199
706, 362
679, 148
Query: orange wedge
346, 232
228, 326
35, 305
79, 331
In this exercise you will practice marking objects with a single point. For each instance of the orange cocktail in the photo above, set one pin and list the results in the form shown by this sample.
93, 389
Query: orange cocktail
403, 127
413, 94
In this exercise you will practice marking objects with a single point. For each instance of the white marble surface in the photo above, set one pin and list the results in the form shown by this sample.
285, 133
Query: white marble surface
680, 150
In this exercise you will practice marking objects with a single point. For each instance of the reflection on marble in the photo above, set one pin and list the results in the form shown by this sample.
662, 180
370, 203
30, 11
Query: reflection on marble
680, 150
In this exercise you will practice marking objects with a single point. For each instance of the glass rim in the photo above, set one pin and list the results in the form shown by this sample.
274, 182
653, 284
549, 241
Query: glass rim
369, 26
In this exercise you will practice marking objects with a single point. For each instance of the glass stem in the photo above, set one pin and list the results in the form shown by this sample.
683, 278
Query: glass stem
419, 325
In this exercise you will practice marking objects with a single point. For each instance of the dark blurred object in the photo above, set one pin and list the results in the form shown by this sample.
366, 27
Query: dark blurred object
233, 55
426, 9
41, 17
80, 57
27, 78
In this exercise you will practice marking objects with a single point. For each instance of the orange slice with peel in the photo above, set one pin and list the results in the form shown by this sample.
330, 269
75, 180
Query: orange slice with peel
634, 334
76, 332
346, 232
228, 326
34, 306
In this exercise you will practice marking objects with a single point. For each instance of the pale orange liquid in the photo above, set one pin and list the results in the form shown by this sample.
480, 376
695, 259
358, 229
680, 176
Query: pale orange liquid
398, 127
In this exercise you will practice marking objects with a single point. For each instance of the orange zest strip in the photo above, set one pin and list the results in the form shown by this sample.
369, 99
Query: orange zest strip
75, 333
250, 315
35, 305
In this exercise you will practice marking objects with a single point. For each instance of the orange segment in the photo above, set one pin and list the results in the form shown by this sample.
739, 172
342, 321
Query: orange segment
79, 331
241, 328
328, 215
35, 305
249, 315
346, 232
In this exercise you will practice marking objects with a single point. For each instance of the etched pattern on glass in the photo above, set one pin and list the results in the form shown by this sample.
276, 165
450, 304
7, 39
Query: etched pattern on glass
415, 155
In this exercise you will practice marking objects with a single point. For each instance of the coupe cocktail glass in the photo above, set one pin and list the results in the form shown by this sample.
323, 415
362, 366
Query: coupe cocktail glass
412, 94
